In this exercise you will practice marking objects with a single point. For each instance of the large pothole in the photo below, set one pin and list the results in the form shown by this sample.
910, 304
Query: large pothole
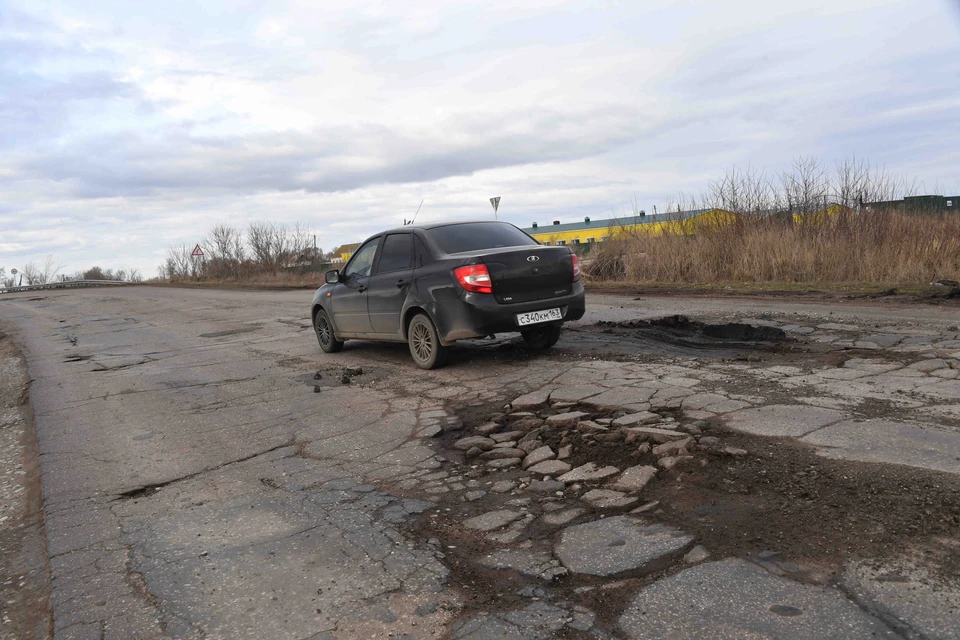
530, 475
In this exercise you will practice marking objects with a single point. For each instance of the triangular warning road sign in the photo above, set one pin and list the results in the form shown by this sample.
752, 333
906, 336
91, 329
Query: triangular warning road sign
197, 252
496, 203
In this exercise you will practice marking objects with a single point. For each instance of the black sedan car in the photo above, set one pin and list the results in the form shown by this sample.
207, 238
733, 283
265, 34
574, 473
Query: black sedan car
433, 284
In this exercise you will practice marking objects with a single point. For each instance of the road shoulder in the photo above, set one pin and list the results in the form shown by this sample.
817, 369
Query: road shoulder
24, 570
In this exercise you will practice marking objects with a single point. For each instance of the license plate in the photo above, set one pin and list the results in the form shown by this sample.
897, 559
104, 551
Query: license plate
536, 317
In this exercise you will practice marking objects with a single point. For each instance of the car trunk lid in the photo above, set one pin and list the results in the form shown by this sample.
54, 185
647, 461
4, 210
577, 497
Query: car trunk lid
526, 274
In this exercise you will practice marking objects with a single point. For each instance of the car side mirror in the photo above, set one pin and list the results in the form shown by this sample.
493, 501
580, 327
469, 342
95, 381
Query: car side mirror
332, 277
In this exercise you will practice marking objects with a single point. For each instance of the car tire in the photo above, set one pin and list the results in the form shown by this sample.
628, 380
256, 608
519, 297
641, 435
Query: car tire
425, 347
541, 337
325, 335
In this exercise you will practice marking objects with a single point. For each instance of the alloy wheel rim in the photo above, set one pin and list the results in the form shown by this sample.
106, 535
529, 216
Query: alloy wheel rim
422, 344
324, 330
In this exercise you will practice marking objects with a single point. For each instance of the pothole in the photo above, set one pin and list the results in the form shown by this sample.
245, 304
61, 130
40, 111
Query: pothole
771, 501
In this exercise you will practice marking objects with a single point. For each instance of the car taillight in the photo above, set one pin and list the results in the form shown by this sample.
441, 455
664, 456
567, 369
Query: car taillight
576, 267
474, 278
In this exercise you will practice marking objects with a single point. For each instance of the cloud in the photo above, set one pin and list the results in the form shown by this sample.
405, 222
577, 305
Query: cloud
329, 159
126, 127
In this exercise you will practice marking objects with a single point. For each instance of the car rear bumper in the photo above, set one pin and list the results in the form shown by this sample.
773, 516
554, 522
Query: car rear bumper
475, 315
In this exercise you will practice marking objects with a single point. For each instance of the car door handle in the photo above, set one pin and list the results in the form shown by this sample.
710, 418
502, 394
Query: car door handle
361, 289
401, 284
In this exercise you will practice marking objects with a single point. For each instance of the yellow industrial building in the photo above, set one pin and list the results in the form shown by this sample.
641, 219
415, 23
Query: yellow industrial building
593, 231
344, 252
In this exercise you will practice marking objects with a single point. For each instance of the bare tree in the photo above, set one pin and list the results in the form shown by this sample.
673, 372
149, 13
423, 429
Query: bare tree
44, 274
180, 265
806, 187
226, 242
742, 191
261, 238
50, 269
857, 182
275, 245
31, 273
226, 252
851, 182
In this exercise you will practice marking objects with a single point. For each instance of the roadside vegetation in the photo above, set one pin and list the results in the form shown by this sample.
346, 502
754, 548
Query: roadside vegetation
263, 254
50, 271
808, 225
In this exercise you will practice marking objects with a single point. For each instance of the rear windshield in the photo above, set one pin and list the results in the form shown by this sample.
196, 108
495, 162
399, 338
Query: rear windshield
475, 236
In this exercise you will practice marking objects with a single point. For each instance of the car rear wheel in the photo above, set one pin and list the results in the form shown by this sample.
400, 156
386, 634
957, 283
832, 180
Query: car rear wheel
541, 337
425, 347
325, 336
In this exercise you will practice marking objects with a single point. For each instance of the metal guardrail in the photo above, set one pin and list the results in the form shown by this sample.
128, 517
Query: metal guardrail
66, 284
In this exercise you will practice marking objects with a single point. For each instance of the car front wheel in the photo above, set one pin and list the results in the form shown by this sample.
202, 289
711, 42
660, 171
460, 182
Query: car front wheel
325, 336
425, 347
541, 337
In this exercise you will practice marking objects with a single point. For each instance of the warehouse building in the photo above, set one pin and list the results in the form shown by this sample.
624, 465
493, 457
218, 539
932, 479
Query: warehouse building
918, 204
591, 231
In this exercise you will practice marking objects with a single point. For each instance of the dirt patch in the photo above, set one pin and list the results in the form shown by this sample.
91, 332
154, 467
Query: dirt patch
328, 377
24, 568
932, 294
781, 496
480, 588
769, 500
810, 511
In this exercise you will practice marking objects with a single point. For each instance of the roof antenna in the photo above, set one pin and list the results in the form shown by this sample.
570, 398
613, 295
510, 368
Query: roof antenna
415, 214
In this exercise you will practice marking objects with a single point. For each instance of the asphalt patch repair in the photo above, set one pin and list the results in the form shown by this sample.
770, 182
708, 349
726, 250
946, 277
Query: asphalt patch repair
771, 501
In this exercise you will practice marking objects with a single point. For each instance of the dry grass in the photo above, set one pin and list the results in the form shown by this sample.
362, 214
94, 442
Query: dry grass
878, 248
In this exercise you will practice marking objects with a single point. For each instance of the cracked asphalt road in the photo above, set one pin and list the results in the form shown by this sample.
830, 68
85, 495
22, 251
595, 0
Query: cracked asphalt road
206, 474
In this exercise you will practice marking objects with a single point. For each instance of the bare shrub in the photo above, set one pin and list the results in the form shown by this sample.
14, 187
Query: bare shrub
263, 251
180, 265
806, 224
274, 245
808, 186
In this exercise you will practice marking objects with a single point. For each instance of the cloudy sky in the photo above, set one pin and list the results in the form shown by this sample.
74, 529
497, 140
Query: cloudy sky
127, 127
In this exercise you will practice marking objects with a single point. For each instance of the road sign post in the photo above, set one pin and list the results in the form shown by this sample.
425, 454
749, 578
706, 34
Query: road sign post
496, 205
197, 259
